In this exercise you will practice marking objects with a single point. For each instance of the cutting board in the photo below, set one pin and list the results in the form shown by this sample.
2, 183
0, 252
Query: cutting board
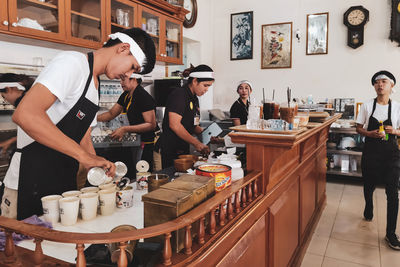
243, 128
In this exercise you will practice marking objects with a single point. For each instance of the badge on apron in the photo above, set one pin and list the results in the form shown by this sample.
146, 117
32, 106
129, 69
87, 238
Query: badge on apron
191, 105
196, 120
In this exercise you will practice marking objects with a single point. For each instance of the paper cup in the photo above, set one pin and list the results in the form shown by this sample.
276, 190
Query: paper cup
97, 176
69, 208
73, 193
88, 205
120, 169
107, 201
109, 186
90, 189
125, 197
51, 211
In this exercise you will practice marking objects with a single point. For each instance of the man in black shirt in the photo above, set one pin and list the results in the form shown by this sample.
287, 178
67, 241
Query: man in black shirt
182, 116
139, 106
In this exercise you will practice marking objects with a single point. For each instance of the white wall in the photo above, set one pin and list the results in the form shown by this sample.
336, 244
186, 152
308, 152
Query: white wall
343, 72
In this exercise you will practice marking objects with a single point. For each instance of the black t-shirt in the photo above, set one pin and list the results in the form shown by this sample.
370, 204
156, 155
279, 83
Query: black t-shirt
240, 110
141, 101
184, 103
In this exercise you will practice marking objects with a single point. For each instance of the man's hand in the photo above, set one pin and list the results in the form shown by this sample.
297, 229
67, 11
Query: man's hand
89, 161
118, 134
375, 134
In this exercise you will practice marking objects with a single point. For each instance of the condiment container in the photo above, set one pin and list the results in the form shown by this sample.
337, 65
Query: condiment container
115, 251
156, 180
221, 173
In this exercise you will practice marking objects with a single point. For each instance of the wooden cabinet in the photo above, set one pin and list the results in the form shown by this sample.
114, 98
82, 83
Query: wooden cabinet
166, 33
87, 23
84, 22
121, 14
43, 19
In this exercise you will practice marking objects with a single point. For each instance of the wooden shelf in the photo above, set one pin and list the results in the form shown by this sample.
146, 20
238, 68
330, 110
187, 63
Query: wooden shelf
42, 4
343, 130
153, 35
85, 16
173, 41
119, 25
339, 172
344, 152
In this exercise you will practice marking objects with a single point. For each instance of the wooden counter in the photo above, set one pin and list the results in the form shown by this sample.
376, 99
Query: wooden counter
264, 219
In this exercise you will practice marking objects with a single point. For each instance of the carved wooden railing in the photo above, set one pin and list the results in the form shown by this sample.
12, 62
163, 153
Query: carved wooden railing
222, 210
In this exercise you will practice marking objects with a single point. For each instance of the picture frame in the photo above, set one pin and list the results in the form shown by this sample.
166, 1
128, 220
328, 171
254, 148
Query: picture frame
242, 35
276, 45
395, 22
317, 34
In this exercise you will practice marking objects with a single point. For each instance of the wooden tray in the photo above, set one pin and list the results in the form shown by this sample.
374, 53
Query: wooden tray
321, 114
243, 128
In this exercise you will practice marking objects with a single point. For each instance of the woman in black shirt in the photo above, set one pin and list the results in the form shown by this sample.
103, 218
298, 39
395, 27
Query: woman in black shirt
182, 116
139, 106
240, 108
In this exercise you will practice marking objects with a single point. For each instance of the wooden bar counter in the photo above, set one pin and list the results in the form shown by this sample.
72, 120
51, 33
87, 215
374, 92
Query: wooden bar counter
264, 219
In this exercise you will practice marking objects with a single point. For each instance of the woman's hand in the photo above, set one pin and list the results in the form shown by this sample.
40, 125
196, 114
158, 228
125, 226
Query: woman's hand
118, 134
389, 129
202, 148
375, 134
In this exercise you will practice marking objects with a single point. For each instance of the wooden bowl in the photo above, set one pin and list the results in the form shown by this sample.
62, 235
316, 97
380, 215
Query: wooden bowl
194, 158
181, 165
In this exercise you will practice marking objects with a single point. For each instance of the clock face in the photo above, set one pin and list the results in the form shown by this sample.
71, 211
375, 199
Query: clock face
356, 17
188, 5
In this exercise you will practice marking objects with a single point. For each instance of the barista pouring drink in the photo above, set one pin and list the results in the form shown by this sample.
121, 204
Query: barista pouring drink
55, 116
380, 161
182, 116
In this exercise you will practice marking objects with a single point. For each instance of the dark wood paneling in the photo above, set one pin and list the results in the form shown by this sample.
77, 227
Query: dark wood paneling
250, 249
284, 226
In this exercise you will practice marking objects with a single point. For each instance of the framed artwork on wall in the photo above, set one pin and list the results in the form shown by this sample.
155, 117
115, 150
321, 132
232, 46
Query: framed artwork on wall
276, 46
395, 22
317, 33
242, 35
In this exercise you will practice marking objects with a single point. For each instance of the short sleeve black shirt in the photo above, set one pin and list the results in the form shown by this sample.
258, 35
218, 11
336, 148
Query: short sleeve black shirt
141, 101
240, 110
184, 103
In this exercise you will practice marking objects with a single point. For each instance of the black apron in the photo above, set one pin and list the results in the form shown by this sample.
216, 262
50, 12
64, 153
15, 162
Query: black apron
380, 158
45, 171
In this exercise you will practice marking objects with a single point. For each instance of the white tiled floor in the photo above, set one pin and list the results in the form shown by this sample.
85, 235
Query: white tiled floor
343, 239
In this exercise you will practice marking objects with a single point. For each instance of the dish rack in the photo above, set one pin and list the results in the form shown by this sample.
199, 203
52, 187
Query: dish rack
128, 137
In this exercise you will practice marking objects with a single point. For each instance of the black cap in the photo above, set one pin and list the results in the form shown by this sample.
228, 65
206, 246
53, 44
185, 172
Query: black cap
383, 72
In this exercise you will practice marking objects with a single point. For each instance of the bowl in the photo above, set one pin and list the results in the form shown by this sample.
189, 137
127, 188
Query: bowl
194, 158
181, 165
156, 180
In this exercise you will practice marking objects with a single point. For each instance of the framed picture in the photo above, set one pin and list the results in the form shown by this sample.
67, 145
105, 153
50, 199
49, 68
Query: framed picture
276, 47
317, 34
242, 35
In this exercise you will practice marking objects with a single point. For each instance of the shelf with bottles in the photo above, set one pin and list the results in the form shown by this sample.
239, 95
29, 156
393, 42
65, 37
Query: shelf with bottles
110, 91
344, 152
344, 164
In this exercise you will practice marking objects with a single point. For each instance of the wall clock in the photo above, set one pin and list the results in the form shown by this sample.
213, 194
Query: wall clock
395, 22
191, 17
355, 19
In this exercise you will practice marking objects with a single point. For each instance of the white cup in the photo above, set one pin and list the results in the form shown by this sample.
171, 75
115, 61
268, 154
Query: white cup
51, 211
88, 205
69, 208
109, 186
120, 169
125, 197
90, 189
107, 201
72, 193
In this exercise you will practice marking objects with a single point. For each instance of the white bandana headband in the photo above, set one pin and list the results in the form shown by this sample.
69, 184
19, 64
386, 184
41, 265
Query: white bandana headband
202, 74
244, 81
383, 76
12, 84
135, 49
